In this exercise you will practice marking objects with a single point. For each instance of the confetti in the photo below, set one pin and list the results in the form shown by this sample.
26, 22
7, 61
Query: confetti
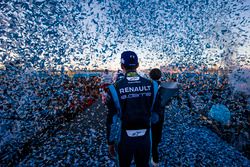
50, 118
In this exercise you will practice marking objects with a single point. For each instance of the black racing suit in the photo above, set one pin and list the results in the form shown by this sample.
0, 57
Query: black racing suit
135, 94
156, 129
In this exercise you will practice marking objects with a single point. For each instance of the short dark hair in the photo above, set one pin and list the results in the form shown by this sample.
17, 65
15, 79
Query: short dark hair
155, 74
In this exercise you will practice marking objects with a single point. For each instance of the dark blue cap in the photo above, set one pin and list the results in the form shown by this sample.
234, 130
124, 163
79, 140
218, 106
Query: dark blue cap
129, 59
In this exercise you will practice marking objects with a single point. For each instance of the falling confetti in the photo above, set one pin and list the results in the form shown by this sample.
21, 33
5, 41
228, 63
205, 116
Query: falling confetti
44, 43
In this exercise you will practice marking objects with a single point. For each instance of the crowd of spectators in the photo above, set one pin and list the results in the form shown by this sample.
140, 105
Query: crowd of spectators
82, 93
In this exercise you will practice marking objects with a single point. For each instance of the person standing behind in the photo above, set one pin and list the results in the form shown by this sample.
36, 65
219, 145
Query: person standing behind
130, 101
155, 74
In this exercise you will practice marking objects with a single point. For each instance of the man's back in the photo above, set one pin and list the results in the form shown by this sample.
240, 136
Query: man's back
129, 102
135, 95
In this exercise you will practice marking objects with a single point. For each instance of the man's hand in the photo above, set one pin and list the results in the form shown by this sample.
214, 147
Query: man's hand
112, 150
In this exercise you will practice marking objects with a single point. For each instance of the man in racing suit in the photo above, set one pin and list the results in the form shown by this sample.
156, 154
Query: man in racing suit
131, 101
